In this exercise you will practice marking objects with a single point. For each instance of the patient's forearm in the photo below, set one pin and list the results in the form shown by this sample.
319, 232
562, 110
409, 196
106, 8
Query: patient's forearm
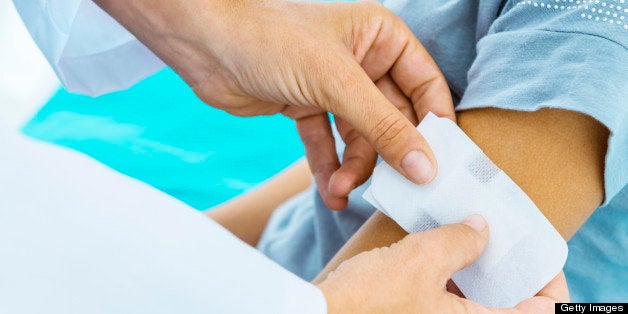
247, 215
555, 156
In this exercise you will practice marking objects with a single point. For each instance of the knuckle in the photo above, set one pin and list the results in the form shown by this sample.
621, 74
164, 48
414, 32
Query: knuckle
422, 89
465, 238
248, 110
322, 168
206, 96
386, 131
330, 93
420, 245
373, 7
437, 251
356, 161
239, 112
350, 136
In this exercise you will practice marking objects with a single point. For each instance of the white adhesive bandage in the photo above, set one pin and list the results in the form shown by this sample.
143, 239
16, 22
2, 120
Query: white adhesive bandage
524, 251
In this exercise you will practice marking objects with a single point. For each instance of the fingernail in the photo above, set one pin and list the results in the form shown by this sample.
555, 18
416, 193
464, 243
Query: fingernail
418, 167
477, 222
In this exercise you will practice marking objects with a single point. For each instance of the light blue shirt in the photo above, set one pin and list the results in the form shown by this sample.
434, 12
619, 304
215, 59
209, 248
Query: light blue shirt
520, 55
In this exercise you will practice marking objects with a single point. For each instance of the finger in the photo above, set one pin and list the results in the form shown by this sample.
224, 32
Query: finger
397, 51
357, 100
317, 138
543, 302
358, 161
359, 158
393, 93
556, 289
453, 247
254, 108
378, 58
420, 79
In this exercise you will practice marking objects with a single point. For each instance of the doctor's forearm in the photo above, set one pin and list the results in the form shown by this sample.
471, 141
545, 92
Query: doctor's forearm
555, 156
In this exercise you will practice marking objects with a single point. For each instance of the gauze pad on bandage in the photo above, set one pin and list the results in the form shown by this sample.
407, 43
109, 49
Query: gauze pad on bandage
524, 251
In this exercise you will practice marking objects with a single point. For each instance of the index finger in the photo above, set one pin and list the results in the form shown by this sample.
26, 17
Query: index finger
355, 98
320, 150
556, 289
418, 76
397, 51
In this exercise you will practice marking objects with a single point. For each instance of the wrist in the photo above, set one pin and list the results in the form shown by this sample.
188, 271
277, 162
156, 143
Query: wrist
185, 35
161, 18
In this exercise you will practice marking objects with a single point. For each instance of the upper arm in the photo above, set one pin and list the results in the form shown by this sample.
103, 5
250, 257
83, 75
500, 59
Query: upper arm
555, 156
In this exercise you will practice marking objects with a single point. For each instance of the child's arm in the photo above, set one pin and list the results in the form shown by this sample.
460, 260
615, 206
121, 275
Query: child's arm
555, 156
246, 216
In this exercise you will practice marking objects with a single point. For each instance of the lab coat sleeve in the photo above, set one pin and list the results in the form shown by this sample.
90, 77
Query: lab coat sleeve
77, 237
90, 52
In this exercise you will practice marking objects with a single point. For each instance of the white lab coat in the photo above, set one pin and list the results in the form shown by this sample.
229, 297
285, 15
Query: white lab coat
76, 237
90, 52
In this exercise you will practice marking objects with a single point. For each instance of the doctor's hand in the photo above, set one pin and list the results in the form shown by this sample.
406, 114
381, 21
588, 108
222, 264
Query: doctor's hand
411, 276
304, 60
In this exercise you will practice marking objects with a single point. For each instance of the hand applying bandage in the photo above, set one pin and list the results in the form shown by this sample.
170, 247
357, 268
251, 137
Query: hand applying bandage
304, 60
423, 263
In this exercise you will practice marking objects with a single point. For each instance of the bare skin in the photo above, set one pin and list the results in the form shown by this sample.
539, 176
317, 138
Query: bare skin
417, 283
555, 156
304, 59
247, 215
454, 247
329, 59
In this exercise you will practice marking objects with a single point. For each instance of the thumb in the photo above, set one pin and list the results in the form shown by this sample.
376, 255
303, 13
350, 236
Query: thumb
453, 247
390, 133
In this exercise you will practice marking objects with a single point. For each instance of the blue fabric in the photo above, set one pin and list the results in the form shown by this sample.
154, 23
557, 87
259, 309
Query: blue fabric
597, 266
521, 55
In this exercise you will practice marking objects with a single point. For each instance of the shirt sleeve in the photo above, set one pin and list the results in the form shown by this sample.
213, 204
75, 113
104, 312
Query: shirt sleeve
88, 50
567, 54
76, 237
